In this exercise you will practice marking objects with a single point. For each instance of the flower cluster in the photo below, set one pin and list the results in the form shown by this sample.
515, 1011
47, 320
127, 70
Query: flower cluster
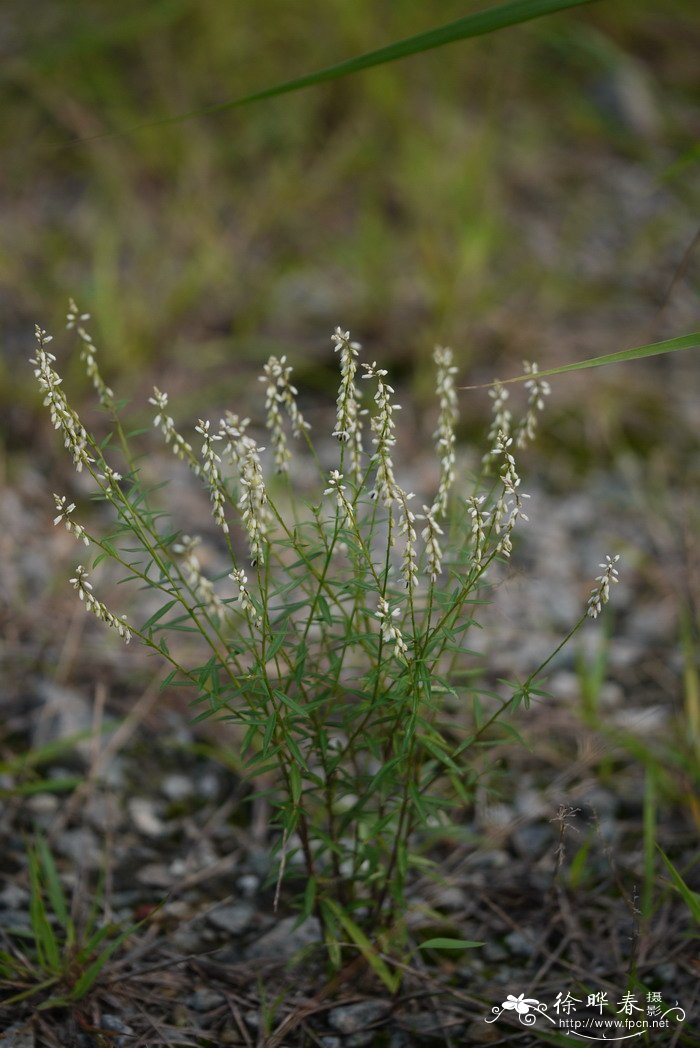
232, 429
389, 630
251, 612
210, 470
538, 388
338, 489
501, 420
445, 432
63, 417
64, 514
110, 478
430, 534
280, 391
164, 422
255, 512
92, 604
75, 319
407, 520
383, 426
200, 586
348, 425
509, 506
479, 518
601, 594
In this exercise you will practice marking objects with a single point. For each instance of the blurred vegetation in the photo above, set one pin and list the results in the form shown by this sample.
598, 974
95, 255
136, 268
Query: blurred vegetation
527, 193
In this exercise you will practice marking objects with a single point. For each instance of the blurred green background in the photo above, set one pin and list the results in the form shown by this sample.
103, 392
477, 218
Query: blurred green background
527, 194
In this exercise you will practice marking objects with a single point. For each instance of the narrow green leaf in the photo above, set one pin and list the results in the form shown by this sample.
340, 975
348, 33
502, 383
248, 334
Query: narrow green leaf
158, 615
324, 610
449, 944
53, 884
309, 897
277, 642
653, 349
477, 24
377, 964
295, 783
690, 898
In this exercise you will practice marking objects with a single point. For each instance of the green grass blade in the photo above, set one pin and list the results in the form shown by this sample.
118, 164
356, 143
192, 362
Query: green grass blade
691, 898
478, 24
653, 349
93, 972
449, 944
376, 963
25, 994
45, 941
52, 882
649, 841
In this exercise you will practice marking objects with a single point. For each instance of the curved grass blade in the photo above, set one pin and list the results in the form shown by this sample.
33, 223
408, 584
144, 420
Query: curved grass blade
478, 24
653, 349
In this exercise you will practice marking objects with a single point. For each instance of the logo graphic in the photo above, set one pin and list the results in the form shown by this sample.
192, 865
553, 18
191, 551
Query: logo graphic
599, 1018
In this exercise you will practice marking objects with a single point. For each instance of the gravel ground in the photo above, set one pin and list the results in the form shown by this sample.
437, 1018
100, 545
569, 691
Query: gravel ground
549, 873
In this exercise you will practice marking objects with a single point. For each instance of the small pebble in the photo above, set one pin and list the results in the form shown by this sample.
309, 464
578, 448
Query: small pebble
12, 897
520, 944
232, 919
177, 787
531, 842
205, 1000
284, 939
144, 815
19, 1036
353, 1018
115, 1025
248, 885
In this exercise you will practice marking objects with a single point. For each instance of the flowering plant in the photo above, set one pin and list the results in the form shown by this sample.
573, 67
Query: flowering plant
339, 649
